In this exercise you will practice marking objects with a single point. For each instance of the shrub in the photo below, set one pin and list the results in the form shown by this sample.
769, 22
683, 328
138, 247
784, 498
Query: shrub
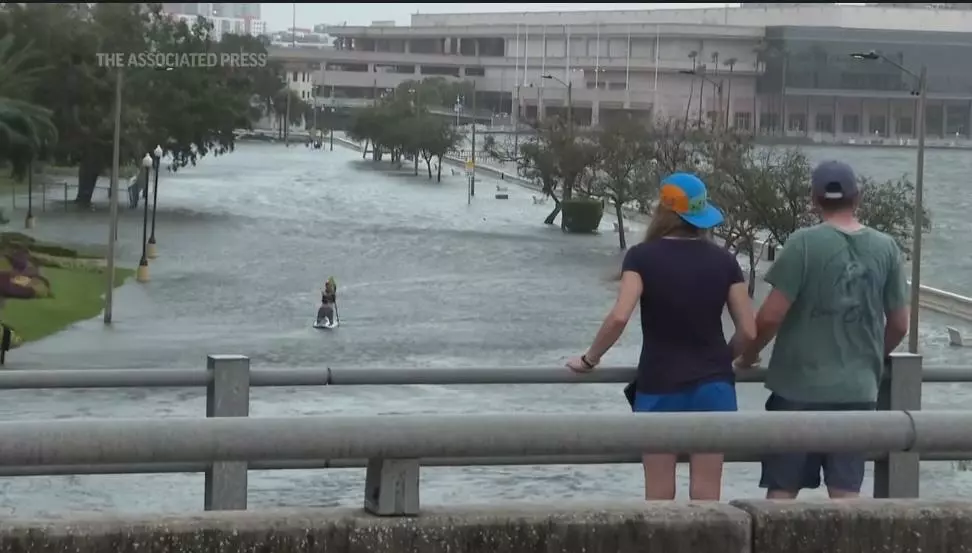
582, 215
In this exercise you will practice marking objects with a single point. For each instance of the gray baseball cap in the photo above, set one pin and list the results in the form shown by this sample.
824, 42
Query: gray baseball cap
834, 180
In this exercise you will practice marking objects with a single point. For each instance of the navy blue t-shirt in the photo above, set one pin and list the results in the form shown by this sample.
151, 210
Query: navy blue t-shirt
686, 285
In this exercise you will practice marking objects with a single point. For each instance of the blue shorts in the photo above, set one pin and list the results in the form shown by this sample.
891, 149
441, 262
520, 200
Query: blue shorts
710, 396
792, 472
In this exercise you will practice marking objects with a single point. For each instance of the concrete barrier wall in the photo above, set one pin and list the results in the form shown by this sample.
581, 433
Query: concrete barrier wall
866, 526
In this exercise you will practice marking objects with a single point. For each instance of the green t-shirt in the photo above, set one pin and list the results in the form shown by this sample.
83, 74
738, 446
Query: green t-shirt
830, 347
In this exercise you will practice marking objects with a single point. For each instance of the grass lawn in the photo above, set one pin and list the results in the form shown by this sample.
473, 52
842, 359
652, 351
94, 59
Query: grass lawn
6, 181
77, 280
78, 295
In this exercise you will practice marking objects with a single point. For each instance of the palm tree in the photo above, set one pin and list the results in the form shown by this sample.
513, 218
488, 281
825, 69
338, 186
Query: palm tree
731, 64
693, 55
26, 129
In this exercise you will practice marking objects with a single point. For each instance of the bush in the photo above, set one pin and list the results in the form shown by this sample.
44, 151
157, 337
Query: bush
582, 215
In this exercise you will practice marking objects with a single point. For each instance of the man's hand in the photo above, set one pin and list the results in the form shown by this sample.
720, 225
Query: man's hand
745, 362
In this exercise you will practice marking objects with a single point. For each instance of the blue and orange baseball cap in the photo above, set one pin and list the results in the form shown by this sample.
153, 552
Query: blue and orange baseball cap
685, 194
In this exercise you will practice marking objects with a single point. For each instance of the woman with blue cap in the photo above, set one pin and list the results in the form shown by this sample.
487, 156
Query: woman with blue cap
683, 282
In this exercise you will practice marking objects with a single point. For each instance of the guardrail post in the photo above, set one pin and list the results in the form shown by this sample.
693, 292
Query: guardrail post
227, 395
392, 487
897, 476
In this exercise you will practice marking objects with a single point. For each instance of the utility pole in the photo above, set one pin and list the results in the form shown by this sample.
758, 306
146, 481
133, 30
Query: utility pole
472, 181
113, 230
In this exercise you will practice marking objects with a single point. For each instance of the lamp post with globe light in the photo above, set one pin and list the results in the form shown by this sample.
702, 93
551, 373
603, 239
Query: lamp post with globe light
921, 82
157, 163
142, 274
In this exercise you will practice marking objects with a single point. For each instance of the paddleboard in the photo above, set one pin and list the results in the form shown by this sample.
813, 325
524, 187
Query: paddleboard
326, 325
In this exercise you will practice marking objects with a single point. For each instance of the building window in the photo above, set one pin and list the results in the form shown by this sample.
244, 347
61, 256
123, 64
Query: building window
295, 77
878, 124
905, 125
617, 86
850, 124
824, 122
798, 122
475, 72
439, 70
743, 120
769, 121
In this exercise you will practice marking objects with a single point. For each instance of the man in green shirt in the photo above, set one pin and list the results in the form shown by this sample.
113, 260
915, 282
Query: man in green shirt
838, 308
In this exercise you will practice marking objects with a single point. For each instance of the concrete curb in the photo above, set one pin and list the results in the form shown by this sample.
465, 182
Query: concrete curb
864, 526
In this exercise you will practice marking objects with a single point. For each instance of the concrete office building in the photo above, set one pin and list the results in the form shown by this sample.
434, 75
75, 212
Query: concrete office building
783, 69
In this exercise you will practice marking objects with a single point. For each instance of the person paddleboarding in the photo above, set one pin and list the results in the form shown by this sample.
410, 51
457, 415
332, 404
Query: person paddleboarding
327, 313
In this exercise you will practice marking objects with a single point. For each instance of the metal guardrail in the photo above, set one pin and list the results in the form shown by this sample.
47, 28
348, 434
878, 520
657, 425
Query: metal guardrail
394, 445
228, 379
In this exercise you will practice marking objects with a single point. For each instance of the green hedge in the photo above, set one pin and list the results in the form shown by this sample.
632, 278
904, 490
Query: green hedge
582, 215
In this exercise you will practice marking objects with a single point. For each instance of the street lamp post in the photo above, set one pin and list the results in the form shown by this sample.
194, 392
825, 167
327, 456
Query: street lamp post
570, 100
922, 93
331, 119
142, 274
570, 127
29, 222
156, 162
718, 86
113, 226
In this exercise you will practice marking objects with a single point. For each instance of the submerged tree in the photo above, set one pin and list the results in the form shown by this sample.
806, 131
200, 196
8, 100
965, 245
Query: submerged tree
402, 125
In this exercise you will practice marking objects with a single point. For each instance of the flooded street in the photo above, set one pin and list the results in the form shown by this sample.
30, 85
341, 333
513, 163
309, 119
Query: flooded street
245, 243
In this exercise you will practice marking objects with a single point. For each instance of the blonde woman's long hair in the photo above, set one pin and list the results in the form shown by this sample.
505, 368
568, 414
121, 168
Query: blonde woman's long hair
666, 222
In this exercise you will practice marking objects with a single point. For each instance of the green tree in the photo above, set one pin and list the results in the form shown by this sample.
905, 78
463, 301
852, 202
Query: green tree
438, 138
401, 124
889, 206
190, 112
623, 167
555, 156
26, 129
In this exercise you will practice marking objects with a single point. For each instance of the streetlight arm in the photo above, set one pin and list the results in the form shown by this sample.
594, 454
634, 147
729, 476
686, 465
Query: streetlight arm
558, 79
900, 67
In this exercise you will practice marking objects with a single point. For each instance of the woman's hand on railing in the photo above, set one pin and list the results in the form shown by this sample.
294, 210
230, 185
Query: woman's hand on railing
581, 364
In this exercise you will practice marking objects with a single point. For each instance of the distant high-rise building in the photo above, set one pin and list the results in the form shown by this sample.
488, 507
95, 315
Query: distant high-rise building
237, 10
238, 18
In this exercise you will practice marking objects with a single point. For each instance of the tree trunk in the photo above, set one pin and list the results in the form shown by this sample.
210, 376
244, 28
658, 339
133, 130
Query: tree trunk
620, 214
364, 150
88, 172
438, 170
752, 270
428, 165
415, 159
553, 214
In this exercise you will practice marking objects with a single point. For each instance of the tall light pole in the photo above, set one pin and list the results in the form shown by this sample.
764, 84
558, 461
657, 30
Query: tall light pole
142, 274
922, 93
472, 180
568, 193
113, 226
570, 100
293, 44
156, 162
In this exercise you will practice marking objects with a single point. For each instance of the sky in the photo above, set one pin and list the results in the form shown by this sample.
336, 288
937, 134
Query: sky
280, 16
